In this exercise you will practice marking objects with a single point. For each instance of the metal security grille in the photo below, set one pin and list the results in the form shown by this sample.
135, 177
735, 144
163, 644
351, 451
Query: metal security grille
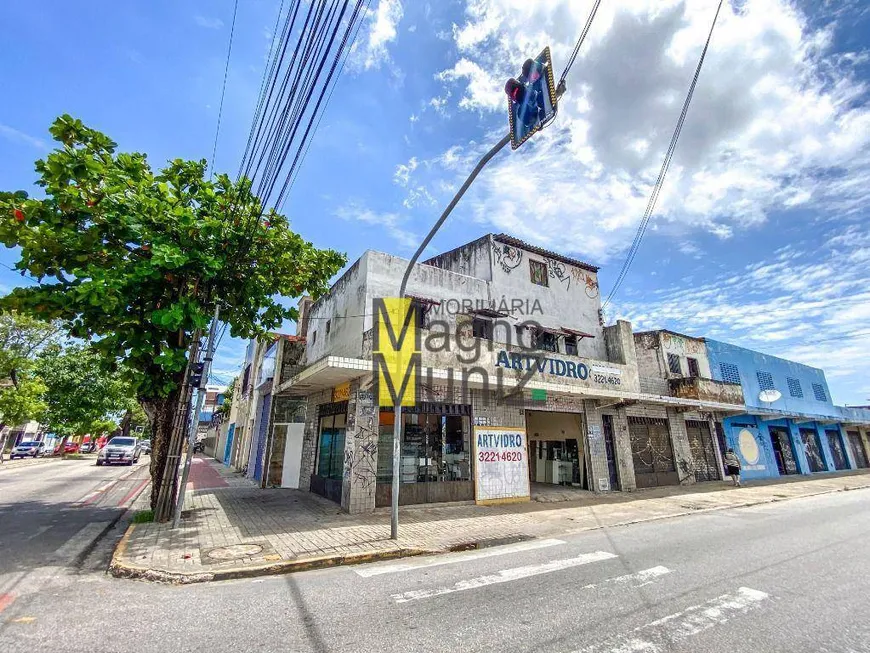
794, 388
782, 450
813, 448
819, 392
858, 449
835, 444
674, 363
730, 373
765, 380
651, 451
703, 454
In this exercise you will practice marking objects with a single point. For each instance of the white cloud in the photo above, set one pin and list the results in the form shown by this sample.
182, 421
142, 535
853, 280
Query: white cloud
778, 120
15, 135
404, 170
371, 50
207, 22
391, 223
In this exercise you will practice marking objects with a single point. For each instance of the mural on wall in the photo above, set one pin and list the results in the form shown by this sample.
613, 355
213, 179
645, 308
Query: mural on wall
590, 283
509, 258
754, 450
557, 270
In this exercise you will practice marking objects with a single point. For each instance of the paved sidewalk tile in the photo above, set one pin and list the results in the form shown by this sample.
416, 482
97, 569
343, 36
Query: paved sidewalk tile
233, 528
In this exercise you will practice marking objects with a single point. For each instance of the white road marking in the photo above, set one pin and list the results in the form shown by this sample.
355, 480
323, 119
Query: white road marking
39, 531
659, 635
642, 578
506, 576
367, 571
77, 543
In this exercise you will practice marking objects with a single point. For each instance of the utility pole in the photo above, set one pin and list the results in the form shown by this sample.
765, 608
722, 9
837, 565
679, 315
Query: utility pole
397, 404
194, 420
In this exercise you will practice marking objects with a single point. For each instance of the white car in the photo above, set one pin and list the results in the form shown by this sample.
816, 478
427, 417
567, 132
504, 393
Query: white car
28, 448
122, 450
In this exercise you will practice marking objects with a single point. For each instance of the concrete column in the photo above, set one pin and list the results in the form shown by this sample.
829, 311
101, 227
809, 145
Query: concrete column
596, 453
624, 457
799, 449
360, 450
683, 460
711, 424
844, 441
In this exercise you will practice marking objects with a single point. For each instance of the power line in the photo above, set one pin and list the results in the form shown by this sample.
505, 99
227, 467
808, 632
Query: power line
663, 171
223, 88
583, 34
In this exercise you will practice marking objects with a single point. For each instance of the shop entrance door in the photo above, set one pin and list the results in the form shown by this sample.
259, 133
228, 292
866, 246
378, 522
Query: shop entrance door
813, 448
703, 454
610, 451
652, 452
782, 450
857, 449
835, 443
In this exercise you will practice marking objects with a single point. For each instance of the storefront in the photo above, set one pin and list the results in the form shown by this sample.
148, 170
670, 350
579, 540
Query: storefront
436, 454
556, 448
329, 462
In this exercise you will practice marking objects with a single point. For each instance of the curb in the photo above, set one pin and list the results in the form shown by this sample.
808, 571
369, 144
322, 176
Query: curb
120, 569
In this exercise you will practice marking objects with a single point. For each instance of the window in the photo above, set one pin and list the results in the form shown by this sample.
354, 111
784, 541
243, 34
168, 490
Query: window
765, 380
313, 337
730, 373
794, 388
819, 392
571, 345
328, 326
674, 364
545, 340
481, 328
538, 271
694, 371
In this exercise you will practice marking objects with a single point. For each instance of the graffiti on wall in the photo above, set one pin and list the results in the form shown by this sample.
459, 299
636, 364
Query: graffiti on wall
509, 258
360, 457
590, 283
558, 271
682, 345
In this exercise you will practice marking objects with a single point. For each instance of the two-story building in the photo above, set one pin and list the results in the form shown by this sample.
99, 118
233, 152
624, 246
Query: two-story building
513, 351
790, 424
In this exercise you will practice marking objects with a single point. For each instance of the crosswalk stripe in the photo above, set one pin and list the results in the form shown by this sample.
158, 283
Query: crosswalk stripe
506, 576
642, 578
661, 634
377, 569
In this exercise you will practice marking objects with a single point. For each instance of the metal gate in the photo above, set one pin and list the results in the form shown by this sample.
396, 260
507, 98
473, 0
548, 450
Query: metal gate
610, 451
835, 442
652, 452
703, 454
228, 449
261, 437
782, 450
813, 448
858, 449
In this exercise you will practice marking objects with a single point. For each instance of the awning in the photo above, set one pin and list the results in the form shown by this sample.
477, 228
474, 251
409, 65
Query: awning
424, 300
489, 312
579, 334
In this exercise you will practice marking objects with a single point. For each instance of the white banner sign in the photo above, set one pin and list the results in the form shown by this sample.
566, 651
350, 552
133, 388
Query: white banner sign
501, 463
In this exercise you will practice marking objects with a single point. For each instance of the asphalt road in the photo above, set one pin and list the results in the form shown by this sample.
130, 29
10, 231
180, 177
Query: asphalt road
791, 576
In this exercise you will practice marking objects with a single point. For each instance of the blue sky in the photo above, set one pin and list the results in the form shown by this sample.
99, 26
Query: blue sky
761, 236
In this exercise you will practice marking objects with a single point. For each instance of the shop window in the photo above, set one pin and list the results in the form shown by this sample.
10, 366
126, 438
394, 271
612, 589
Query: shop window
434, 448
330, 447
538, 273
571, 345
730, 373
819, 392
794, 388
545, 341
674, 364
694, 371
481, 328
765, 380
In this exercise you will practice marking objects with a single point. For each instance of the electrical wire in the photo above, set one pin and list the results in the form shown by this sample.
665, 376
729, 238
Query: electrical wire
583, 34
223, 88
663, 171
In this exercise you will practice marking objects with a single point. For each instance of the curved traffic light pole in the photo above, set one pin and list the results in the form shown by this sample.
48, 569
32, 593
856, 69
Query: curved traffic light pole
397, 406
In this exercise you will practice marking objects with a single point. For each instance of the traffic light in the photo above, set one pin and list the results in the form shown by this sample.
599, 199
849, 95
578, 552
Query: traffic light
196, 371
531, 98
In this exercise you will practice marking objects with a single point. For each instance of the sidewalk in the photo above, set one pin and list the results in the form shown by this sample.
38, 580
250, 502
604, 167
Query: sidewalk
231, 529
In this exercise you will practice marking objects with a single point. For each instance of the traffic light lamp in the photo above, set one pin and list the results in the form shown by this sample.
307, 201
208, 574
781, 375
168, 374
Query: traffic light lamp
196, 371
531, 98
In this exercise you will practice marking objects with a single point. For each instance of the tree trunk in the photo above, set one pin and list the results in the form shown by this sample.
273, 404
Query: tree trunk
125, 423
161, 413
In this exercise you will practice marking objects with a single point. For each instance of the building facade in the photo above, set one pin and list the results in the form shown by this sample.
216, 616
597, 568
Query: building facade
513, 351
790, 424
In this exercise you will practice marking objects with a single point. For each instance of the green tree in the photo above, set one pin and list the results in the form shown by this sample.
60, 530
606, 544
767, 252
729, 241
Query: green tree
224, 408
135, 261
81, 396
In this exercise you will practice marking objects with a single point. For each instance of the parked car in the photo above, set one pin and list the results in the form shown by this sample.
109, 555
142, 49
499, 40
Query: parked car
87, 447
122, 450
145, 446
28, 448
71, 447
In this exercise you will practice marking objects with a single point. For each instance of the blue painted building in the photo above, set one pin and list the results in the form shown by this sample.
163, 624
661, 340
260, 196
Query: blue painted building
791, 425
